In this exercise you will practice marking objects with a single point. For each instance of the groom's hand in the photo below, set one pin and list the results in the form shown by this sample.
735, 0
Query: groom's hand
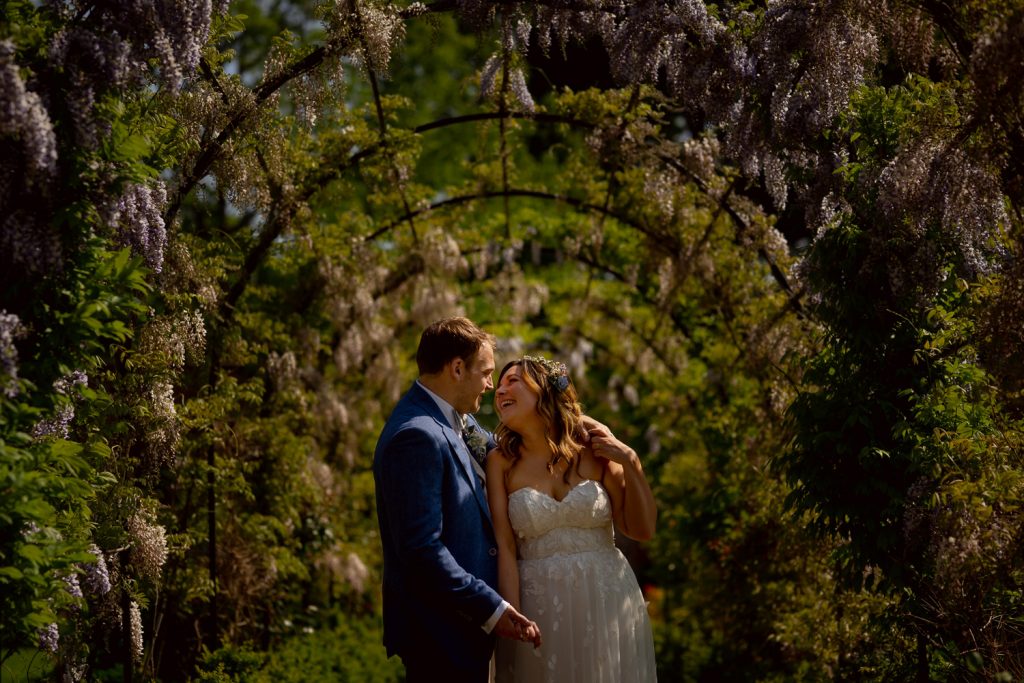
515, 626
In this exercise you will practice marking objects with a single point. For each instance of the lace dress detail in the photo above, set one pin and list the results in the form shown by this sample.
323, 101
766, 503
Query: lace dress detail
580, 590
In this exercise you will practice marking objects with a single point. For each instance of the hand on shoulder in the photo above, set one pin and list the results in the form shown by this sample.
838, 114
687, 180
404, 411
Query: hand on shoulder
603, 444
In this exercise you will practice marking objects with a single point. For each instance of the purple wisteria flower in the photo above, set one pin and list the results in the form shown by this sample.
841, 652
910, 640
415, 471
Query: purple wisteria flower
28, 168
138, 216
10, 325
72, 586
96, 577
60, 424
23, 117
65, 385
49, 638
57, 426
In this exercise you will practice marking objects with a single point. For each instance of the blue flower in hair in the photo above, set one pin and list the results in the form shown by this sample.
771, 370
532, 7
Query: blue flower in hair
557, 373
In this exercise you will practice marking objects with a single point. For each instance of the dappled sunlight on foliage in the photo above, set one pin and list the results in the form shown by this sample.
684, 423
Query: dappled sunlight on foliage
778, 248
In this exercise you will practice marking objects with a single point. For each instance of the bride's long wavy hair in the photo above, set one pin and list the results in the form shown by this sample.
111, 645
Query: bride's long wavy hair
560, 411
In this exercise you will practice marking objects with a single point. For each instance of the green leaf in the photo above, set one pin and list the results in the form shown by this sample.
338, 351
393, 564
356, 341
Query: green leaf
10, 573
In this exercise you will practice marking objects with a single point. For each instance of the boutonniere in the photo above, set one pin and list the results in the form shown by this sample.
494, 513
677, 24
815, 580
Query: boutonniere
476, 441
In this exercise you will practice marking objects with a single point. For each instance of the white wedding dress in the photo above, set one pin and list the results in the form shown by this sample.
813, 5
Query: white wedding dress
580, 590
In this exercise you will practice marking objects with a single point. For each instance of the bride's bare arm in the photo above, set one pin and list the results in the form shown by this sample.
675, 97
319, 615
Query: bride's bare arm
497, 498
633, 503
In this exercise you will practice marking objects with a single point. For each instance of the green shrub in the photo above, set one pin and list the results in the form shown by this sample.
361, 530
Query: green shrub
341, 649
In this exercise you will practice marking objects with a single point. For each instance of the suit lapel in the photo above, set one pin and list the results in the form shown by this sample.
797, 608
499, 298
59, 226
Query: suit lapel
455, 442
463, 455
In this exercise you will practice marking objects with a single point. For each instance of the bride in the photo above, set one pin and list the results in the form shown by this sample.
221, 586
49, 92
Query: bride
555, 484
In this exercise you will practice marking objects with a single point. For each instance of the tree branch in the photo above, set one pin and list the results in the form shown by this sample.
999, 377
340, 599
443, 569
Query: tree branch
515, 192
451, 5
491, 115
243, 113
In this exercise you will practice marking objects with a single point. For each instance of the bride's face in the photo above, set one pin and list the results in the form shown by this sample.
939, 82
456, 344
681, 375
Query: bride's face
515, 400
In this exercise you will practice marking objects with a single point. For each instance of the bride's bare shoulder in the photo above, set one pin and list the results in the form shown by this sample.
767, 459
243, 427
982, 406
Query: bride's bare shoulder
498, 458
590, 466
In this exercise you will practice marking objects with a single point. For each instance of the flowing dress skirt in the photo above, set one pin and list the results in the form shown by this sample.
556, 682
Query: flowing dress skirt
580, 590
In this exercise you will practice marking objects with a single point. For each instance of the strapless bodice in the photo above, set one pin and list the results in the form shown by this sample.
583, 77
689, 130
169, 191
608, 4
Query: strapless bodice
545, 527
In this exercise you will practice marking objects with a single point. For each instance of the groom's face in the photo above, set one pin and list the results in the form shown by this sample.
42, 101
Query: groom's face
476, 379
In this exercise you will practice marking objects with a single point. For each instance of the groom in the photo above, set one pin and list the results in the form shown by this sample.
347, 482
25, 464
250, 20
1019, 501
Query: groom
441, 609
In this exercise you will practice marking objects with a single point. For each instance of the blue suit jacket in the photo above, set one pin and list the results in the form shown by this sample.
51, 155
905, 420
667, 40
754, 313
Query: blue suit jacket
440, 556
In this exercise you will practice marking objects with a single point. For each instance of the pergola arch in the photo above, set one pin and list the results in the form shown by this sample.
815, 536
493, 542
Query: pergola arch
331, 172
251, 365
649, 313
271, 86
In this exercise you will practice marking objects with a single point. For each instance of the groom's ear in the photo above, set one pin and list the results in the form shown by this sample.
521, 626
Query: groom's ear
458, 366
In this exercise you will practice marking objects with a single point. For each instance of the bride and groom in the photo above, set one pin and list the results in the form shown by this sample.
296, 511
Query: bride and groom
517, 543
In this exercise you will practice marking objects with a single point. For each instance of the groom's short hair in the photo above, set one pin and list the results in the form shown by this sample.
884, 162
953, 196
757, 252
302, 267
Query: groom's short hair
448, 339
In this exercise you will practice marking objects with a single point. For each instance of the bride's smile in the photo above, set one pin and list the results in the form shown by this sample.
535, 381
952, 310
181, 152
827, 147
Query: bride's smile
514, 400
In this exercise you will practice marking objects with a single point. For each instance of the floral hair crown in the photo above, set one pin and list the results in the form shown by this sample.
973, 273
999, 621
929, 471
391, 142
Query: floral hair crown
557, 373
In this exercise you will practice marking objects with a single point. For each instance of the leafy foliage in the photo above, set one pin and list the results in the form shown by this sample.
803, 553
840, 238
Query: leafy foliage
777, 247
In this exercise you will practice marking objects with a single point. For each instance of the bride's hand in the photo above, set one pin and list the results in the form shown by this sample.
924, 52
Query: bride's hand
514, 625
604, 444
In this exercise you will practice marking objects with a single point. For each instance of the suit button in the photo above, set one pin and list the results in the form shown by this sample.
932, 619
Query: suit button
492, 552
